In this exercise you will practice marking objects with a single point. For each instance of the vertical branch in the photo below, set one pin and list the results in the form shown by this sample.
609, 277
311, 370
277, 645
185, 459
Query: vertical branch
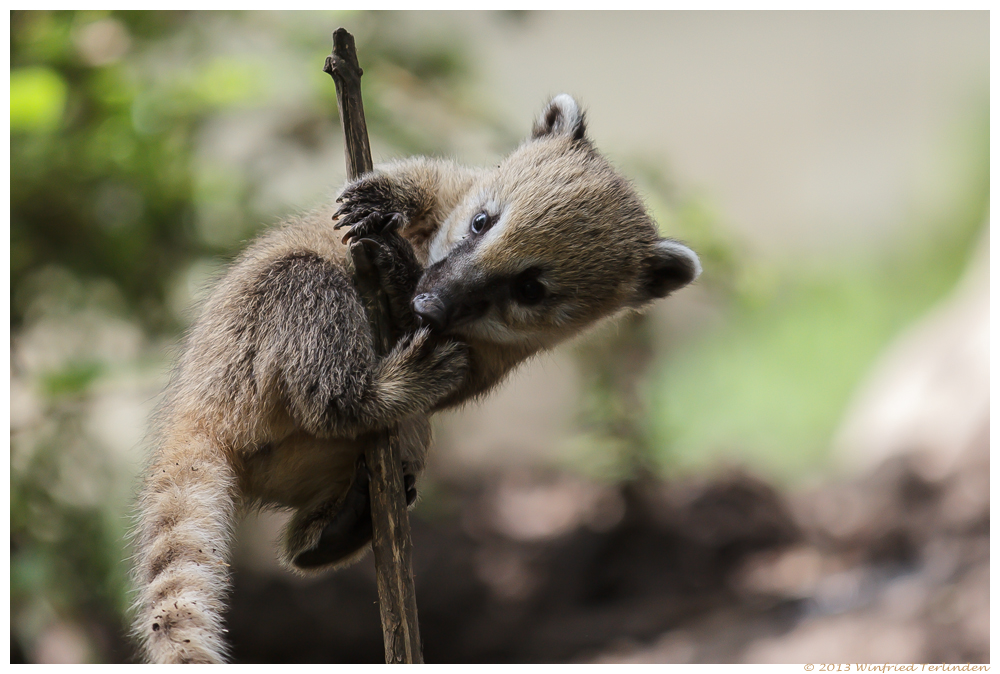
391, 544
342, 65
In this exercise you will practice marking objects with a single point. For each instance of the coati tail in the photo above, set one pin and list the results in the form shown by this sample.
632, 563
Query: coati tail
186, 515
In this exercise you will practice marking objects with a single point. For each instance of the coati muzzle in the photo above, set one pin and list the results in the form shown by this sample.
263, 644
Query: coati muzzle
430, 310
442, 314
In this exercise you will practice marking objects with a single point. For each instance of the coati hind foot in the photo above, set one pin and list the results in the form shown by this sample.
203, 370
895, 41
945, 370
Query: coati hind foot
348, 532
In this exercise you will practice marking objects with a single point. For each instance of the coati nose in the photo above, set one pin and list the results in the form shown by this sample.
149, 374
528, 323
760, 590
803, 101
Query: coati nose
430, 310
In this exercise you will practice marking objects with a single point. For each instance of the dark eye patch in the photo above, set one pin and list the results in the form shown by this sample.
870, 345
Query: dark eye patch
526, 289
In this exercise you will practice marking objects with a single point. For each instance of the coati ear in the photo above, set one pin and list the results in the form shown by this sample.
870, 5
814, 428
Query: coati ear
671, 267
561, 117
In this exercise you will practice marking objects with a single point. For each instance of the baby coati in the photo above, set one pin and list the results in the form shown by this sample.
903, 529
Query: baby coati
280, 382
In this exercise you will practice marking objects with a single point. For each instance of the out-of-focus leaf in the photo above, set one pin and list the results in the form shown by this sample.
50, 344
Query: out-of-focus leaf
72, 380
37, 99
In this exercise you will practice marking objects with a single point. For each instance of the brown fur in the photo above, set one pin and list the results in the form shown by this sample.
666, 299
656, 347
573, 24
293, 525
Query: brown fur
279, 380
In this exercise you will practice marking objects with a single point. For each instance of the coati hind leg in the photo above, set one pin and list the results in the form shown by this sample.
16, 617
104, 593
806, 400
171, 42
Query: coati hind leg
337, 532
349, 530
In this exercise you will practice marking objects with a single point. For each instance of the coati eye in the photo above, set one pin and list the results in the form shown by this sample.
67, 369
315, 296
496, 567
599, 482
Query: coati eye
528, 290
480, 223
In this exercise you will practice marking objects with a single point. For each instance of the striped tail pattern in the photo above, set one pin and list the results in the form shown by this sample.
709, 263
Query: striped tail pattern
187, 511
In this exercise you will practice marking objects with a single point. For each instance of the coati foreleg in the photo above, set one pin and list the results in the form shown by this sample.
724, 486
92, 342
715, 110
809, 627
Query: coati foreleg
410, 197
314, 341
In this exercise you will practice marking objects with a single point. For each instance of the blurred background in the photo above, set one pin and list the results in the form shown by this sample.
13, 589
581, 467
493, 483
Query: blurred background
786, 462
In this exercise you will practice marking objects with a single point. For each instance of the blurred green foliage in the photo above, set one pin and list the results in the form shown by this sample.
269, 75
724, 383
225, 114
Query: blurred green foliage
37, 100
93, 190
768, 387
108, 110
765, 388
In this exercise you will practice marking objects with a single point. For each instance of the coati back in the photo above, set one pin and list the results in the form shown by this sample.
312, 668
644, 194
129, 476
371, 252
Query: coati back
279, 381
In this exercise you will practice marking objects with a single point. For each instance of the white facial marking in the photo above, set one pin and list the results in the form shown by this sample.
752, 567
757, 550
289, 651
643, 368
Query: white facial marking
439, 246
444, 240
456, 228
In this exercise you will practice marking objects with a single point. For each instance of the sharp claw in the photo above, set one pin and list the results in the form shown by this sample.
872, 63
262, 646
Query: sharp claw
374, 222
351, 233
395, 222
371, 245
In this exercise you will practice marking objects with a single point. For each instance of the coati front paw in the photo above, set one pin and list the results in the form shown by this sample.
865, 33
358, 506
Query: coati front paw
434, 365
418, 373
349, 531
374, 225
391, 257
371, 195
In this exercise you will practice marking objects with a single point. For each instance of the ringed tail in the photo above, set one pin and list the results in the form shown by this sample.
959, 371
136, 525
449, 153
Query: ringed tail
187, 511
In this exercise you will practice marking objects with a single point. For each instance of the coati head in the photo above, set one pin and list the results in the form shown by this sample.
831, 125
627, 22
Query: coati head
551, 241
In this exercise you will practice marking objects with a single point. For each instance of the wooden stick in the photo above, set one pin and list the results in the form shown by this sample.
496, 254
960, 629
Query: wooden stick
391, 544
343, 67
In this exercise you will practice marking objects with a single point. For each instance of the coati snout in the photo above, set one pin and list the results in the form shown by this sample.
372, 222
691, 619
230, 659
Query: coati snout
442, 316
446, 300
453, 293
